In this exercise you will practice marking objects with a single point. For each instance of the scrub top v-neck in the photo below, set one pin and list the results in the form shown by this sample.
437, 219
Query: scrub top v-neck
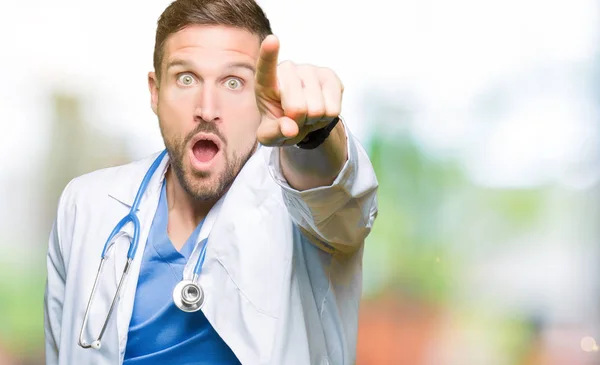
159, 332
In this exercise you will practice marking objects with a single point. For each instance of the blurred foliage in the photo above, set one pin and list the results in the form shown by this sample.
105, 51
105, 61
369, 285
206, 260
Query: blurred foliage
22, 331
433, 221
428, 210
409, 234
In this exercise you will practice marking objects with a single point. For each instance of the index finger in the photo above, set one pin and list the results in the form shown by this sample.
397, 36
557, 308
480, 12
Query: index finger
266, 67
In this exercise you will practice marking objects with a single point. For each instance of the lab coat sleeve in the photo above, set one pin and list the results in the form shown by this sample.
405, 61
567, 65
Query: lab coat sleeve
339, 217
55, 287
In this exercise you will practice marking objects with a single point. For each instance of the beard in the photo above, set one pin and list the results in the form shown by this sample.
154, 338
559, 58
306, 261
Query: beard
197, 184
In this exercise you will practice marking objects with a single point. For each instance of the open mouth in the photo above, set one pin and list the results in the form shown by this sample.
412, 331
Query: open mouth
205, 150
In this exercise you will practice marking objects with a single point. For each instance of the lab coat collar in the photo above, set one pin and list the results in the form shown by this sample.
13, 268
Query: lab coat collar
125, 193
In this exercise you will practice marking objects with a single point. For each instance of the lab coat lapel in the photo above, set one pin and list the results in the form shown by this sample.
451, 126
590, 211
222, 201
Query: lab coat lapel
246, 264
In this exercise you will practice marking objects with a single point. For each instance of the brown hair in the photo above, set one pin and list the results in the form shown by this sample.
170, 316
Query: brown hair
245, 14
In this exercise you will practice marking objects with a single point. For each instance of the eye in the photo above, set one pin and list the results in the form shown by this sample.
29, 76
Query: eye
186, 79
233, 83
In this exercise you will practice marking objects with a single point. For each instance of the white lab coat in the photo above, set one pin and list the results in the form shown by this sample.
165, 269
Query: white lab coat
282, 273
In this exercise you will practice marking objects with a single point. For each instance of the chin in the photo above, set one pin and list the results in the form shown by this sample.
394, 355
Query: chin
207, 185
203, 189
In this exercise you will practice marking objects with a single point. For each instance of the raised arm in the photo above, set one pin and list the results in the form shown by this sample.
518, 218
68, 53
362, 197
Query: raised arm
330, 190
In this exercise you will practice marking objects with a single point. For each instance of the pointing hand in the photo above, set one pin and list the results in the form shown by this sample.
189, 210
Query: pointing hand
294, 100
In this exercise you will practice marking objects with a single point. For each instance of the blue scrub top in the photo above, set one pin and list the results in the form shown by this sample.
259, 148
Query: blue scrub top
159, 332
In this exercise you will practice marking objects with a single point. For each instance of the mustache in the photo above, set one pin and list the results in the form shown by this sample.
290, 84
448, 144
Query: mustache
205, 127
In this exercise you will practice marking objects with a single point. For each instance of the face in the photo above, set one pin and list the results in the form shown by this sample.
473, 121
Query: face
206, 106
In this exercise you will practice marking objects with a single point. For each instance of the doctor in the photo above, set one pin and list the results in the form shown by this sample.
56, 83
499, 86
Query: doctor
242, 244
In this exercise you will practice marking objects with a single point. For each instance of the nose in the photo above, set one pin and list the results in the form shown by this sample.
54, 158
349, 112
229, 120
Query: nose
207, 107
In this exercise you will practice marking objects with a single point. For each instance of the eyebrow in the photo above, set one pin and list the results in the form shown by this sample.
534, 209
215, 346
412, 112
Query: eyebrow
178, 62
245, 65
186, 64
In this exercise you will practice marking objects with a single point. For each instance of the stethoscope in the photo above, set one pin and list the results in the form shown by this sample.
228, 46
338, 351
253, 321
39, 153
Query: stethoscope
187, 294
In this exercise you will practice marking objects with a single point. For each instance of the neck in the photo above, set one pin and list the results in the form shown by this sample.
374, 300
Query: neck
185, 213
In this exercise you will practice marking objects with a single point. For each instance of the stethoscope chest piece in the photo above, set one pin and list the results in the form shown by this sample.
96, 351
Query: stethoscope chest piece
188, 296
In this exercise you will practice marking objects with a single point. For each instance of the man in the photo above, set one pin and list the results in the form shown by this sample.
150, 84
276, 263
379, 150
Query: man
263, 186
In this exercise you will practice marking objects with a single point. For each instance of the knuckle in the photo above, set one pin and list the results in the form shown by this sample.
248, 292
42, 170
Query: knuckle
331, 76
316, 111
287, 65
296, 111
333, 112
306, 69
326, 71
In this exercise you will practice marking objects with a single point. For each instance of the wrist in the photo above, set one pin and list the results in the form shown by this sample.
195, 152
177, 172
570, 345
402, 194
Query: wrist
316, 138
309, 168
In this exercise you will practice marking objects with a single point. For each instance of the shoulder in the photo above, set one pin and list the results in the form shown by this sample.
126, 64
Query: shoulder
102, 181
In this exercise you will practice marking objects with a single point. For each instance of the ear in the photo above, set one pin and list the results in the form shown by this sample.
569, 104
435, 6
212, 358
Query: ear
153, 87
